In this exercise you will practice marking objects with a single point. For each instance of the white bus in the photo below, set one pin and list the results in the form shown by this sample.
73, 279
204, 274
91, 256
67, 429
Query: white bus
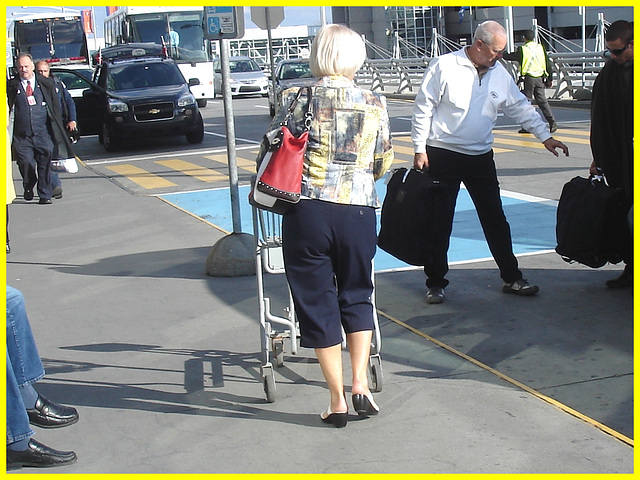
180, 29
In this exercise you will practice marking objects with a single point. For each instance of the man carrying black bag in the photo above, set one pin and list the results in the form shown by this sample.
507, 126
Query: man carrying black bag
453, 117
612, 127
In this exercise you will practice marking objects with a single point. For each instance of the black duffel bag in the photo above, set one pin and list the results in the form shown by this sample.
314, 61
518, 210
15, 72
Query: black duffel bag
592, 227
413, 218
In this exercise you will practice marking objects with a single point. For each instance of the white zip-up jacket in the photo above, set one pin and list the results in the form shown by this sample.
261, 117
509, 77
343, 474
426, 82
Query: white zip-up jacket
455, 109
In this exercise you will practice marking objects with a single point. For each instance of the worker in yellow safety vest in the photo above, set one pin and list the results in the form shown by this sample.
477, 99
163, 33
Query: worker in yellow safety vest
536, 71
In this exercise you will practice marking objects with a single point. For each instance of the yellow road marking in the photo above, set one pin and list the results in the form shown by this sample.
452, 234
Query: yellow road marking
402, 149
501, 150
403, 139
519, 143
219, 158
141, 177
561, 406
582, 133
248, 164
562, 138
196, 171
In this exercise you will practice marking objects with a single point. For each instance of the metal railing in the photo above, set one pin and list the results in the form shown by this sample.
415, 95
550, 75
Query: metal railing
574, 73
392, 75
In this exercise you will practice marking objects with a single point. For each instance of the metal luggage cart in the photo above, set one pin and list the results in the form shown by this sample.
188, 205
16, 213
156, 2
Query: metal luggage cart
275, 329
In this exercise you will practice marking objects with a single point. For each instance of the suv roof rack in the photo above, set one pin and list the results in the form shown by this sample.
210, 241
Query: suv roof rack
127, 51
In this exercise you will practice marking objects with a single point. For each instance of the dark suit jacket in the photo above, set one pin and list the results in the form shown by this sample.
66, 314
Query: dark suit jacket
612, 124
48, 88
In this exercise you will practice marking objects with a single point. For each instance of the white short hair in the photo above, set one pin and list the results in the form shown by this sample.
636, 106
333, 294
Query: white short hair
487, 31
337, 50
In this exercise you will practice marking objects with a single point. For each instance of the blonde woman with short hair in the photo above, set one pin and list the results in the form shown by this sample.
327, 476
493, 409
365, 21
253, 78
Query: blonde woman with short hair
330, 235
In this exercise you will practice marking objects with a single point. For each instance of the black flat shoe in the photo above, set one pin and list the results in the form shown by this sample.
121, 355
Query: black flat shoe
363, 405
339, 420
47, 414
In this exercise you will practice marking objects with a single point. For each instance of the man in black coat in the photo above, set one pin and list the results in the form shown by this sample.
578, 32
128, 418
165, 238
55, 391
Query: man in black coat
37, 126
612, 125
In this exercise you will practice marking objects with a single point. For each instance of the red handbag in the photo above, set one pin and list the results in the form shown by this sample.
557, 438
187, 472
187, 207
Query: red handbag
279, 177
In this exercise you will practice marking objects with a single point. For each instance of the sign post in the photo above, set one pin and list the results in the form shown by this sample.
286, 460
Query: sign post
234, 254
267, 18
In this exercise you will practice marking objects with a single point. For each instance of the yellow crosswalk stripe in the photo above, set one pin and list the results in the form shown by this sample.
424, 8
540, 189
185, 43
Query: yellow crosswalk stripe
403, 139
409, 150
582, 133
245, 162
519, 143
562, 138
248, 164
141, 177
402, 149
218, 158
196, 171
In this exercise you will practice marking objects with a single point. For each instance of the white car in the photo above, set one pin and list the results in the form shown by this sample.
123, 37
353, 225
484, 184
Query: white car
247, 78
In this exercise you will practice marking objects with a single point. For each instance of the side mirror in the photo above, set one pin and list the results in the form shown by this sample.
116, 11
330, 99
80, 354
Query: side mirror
193, 81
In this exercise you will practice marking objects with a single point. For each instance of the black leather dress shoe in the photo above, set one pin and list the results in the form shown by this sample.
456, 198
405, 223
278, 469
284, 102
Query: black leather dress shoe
47, 414
38, 455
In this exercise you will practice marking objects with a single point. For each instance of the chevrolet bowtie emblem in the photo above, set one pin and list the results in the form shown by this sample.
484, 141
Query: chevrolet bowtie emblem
154, 111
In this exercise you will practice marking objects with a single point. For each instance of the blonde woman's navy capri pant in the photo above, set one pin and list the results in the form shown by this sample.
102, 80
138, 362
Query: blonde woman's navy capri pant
328, 253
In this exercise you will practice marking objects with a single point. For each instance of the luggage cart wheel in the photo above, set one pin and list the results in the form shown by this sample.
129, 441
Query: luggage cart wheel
269, 382
375, 372
277, 345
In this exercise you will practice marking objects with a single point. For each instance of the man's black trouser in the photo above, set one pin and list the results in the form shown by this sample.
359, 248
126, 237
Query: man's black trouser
478, 172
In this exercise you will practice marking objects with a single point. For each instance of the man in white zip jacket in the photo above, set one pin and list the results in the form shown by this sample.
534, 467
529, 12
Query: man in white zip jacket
453, 118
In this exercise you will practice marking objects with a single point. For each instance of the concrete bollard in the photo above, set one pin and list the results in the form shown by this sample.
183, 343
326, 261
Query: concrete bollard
232, 256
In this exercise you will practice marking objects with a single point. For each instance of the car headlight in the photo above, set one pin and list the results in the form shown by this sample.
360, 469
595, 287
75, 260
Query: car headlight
185, 100
263, 81
117, 106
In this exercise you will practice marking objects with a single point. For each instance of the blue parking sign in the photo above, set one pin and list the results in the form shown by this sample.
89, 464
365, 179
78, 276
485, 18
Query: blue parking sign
224, 22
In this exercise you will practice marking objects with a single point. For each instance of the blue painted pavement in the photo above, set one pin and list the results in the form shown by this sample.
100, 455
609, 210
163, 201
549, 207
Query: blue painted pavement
532, 222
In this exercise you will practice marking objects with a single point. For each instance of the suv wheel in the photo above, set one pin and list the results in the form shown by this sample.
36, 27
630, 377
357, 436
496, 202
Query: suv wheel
197, 136
109, 143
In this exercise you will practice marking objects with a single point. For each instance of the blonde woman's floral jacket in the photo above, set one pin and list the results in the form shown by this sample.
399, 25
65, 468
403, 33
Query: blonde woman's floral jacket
349, 141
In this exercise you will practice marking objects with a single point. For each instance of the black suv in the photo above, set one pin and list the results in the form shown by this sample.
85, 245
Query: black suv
136, 91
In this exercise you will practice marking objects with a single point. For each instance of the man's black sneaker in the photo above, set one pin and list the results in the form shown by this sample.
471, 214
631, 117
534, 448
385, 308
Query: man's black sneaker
520, 287
435, 295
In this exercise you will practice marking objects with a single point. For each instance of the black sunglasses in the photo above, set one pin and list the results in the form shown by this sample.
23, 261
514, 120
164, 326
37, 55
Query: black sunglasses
618, 51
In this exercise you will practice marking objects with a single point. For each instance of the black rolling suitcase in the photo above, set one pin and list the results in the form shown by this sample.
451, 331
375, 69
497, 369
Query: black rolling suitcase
591, 226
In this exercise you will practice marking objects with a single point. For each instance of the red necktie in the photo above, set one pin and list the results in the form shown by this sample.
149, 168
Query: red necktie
29, 89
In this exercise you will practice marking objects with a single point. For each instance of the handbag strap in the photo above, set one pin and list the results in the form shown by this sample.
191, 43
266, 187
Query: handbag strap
308, 114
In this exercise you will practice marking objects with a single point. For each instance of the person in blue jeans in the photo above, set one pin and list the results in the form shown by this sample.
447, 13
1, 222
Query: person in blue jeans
25, 406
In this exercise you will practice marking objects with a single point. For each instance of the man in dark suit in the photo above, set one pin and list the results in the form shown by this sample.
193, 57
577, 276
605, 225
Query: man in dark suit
37, 126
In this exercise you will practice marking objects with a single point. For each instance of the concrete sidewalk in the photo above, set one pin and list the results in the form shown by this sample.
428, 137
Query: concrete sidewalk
163, 361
